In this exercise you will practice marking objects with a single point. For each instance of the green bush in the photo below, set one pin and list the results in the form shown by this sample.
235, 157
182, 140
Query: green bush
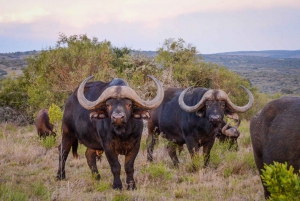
55, 116
281, 181
48, 142
53, 74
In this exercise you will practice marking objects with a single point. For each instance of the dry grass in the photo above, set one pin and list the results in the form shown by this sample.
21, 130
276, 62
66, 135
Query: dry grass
28, 170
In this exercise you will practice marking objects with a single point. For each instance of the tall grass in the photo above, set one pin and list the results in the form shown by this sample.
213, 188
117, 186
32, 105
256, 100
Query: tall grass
28, 169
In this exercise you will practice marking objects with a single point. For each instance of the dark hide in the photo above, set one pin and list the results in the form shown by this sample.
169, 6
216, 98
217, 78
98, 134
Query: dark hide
112, 128
42, 123
275, 134
194, 129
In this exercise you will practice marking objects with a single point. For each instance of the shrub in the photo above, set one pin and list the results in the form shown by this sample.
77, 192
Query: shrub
55, 116
281, 181
48, 142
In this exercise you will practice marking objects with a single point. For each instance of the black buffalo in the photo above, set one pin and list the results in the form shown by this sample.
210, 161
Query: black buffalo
42, 124
230, 134
110, 121
195, 125
275, 134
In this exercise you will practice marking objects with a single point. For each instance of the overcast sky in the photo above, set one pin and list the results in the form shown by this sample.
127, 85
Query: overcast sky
213, 26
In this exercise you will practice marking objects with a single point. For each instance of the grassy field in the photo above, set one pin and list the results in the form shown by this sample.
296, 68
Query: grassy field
28, 168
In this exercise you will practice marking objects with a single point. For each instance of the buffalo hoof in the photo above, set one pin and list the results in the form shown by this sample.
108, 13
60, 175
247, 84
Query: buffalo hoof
131, 186
117, 186
61, 176
96, 176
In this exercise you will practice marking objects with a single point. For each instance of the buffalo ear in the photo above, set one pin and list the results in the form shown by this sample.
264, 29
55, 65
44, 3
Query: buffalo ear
138, 113
98, 114
201, 112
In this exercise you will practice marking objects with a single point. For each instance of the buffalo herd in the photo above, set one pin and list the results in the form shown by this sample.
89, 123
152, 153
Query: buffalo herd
108, 117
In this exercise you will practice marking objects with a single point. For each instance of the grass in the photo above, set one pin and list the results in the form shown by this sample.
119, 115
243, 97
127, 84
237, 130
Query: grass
28, 170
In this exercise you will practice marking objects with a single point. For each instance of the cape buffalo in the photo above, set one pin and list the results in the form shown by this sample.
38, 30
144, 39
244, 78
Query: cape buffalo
275, 134
106, 117
229, 134
42, 124
195, 125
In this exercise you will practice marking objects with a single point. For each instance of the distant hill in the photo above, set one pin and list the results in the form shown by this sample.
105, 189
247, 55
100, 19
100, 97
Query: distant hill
273, 71
279, 54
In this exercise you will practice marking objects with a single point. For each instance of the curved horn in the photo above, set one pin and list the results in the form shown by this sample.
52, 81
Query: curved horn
225, 128
224, 96
237, 123
196, 107
148, 105
120, 92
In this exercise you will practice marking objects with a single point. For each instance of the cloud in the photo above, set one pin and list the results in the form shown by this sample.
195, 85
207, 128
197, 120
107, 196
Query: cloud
79, 13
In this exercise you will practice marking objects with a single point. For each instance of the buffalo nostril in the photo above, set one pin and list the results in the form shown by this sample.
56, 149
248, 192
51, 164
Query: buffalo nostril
118, 118
215, 117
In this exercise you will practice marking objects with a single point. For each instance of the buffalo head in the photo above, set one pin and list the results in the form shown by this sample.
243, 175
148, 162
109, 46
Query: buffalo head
119, 104
231, 131
214, 104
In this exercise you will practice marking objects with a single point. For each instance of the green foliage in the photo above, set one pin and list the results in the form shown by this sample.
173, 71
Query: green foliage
121, 197
55, 113
181, 59
8, 193
102, 186
55, 73
48, 142
41, 191
136, 68
189, 69
55, 116
158, 170
281, 181
196, 163
248, 159
13, 93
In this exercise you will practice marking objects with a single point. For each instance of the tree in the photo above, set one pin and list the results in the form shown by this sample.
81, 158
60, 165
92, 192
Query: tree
188, 68
55, 73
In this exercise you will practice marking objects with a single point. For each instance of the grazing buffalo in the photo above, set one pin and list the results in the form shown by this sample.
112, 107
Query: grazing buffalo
42, 124
229, 134
275, 134
106, 117
195, 125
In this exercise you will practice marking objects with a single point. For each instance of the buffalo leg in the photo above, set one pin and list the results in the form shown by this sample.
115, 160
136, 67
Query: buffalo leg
206, 151
193, 147
152, 139
129, 169
171, 147
91, 156
74, 148
64, 149
115, 167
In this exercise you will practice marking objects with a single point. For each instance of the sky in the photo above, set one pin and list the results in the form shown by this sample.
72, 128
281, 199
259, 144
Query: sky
212, 26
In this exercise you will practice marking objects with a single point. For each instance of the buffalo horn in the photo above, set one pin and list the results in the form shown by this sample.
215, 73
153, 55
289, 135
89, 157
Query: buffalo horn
209, 95
120, 92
